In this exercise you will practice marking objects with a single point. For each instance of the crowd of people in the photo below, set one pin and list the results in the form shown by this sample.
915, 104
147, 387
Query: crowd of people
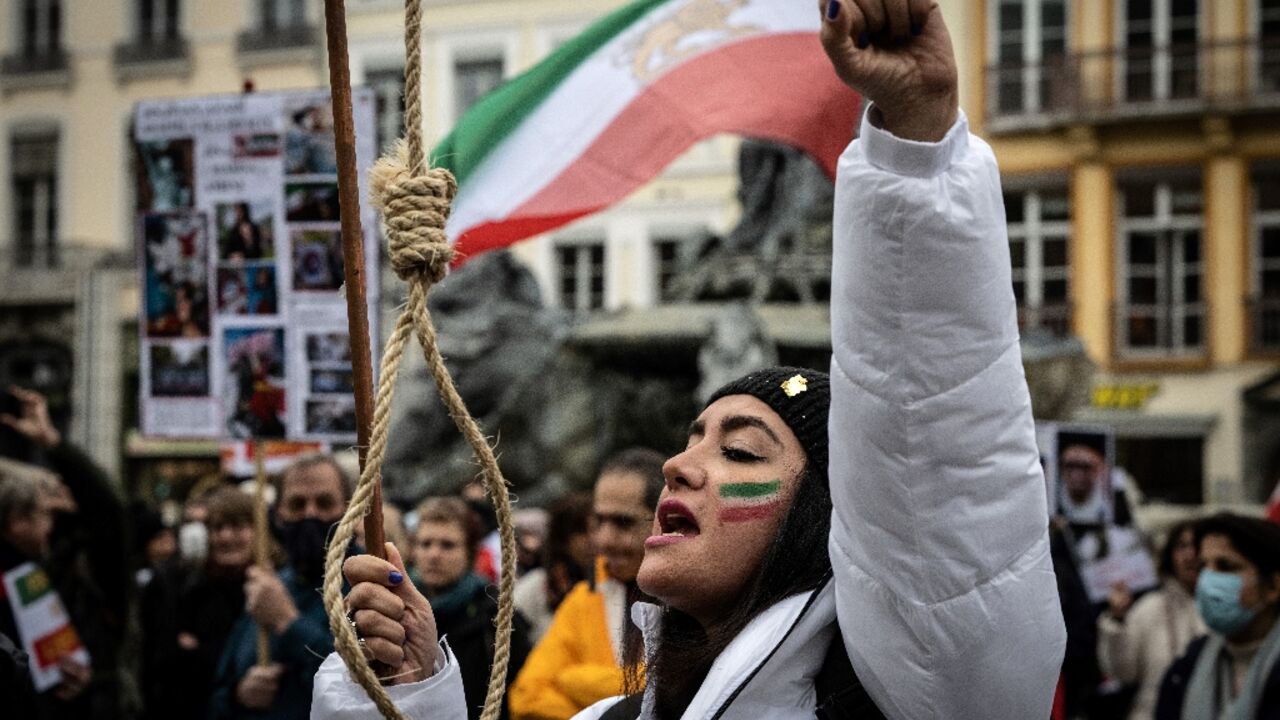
171, 627
171, 616
867, 544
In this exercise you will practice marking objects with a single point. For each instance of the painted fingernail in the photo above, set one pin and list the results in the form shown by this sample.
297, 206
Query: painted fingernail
395, 577
833, 10
916, 28
863, 40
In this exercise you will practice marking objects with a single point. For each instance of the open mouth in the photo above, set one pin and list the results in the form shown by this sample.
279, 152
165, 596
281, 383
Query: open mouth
676, 520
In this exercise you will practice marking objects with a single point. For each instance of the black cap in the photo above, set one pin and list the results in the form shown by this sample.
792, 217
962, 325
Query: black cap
801, 397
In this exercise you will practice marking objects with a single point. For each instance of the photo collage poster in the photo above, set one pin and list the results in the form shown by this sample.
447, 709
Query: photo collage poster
243, 325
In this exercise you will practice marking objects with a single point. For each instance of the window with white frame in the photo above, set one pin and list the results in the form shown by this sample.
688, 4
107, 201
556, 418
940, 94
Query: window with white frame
1266, 257
666, 265
157, 21
281, 14
1161, 39
34, 183
1161, 308
1029, 55
473, 78
580, 275
41, 24
1039, 222
388, 90
672, 251
1268, 51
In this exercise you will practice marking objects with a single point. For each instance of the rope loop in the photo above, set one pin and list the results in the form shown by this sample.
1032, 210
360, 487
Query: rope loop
415, 209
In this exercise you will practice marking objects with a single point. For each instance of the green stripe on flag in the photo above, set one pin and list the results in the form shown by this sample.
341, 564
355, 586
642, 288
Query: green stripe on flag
750, 489
500, 112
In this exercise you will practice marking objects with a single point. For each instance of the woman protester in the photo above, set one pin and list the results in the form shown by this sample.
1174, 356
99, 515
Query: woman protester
1137, 641
445, 542
188, 611
1233, 673
916, 542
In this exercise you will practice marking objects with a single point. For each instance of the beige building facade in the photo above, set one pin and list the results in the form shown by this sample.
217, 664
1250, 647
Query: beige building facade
71, 73
1139, 144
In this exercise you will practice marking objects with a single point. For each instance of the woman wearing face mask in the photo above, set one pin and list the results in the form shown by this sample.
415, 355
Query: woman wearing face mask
889, 518
187, 612
1137, 641
444, 551
1233, 673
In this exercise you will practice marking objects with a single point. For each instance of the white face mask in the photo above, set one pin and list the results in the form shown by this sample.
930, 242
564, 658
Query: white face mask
193, 541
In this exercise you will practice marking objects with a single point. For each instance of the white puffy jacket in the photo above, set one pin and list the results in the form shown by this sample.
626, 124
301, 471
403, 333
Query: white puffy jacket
943, 589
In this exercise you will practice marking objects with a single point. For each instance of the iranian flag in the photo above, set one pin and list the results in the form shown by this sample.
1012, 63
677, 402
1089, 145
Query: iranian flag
609, 109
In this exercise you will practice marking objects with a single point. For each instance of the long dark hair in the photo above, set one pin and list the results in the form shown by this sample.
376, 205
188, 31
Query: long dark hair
1165, 567
796, 561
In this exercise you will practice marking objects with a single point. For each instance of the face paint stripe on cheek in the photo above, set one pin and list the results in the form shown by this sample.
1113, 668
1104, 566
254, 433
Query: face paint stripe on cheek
749, 512
750, 489
746, 501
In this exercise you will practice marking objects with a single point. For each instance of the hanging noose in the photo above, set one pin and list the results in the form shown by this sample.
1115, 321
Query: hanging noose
414, 201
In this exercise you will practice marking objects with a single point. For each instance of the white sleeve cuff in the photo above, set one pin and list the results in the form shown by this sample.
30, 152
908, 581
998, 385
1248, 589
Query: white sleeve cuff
336, 696
889, 152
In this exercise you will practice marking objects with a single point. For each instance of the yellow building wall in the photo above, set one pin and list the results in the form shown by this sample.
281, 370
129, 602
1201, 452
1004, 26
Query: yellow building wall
1222, 146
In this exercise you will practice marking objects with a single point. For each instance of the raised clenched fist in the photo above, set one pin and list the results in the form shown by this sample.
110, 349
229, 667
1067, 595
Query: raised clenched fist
896, 53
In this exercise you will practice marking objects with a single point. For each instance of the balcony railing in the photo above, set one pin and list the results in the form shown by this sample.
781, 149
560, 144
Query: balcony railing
34, 63
1160, 331
151, 50
1054, 318
1122, 83
1264, 324
267, 39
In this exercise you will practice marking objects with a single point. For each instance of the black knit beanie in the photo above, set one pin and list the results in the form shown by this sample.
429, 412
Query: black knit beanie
801, 397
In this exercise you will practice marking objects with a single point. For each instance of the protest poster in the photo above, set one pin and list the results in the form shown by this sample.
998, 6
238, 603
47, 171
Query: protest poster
1078, 471
240, 249
236, 457
1112, 555
44, 628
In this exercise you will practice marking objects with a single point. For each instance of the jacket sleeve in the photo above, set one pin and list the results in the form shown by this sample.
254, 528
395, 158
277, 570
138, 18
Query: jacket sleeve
1120, 643
536, 693
945, 590
304, 643
102, 517
585, 684
335, 696
222, 702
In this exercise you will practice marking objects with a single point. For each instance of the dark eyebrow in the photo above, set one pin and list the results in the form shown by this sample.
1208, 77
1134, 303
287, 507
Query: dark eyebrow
740, 422
697, 427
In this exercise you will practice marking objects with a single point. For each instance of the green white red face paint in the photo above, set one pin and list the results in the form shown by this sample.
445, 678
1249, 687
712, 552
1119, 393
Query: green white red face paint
745, 501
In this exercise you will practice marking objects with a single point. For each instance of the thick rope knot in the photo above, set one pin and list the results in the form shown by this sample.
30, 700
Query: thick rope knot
414, 209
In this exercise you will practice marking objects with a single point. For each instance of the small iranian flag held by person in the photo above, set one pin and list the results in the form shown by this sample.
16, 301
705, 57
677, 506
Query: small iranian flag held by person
610, 108
44, 628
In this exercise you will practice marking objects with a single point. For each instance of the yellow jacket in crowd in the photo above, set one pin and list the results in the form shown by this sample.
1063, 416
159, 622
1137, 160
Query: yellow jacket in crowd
576, 664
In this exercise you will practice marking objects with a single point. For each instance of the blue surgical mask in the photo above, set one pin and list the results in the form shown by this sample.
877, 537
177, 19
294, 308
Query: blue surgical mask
1218, 600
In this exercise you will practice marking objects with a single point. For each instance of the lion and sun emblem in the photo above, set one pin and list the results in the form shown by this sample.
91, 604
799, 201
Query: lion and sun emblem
694, 27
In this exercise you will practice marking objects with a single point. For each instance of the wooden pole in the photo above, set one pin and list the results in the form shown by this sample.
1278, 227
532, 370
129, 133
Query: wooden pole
261, 543
335, 26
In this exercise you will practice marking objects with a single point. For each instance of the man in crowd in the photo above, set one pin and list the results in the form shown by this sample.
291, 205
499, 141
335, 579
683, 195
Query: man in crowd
313, 495
74, 527
579, 661
1090, 496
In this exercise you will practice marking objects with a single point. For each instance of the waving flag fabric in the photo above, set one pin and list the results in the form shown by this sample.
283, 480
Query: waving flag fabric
612, 107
